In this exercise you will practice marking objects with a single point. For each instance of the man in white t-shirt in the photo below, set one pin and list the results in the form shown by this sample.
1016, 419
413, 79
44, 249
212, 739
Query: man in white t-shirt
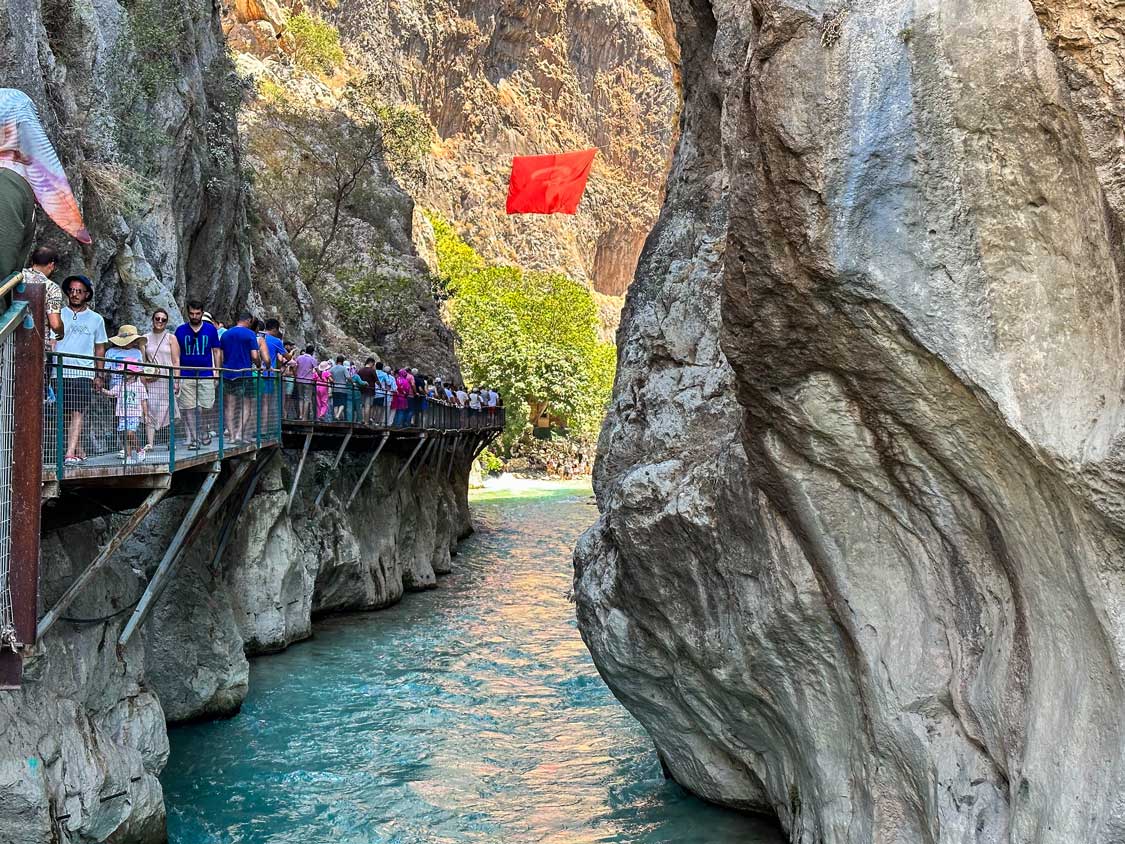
84, 338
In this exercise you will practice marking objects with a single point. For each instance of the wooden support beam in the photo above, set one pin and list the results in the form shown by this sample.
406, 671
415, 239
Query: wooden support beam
232, 483
425, 454
300, 468
168, 562
367, 468
453, 456
335, 463
441, 455
402, 471
115, 542
232, 517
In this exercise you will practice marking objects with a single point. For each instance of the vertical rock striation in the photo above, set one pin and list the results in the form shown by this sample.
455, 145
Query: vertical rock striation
859, 558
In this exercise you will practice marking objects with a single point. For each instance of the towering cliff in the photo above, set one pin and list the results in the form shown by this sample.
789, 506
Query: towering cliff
508, 77
859, 558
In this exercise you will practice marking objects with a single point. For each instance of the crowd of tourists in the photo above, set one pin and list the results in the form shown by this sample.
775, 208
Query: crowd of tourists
127, 387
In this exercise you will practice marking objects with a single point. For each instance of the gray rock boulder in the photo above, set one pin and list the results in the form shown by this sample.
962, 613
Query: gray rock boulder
858, 563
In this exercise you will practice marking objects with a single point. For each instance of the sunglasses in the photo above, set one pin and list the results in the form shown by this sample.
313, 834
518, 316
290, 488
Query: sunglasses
160, 319
74, 291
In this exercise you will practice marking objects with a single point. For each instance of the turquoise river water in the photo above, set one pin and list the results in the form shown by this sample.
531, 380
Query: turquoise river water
469, 713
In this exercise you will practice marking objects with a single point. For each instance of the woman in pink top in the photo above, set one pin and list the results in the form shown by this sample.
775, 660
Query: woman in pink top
323, 379
162, 348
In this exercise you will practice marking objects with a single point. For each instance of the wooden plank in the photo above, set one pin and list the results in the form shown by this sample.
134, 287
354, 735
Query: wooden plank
167, 563
232, 482
123, 533
367, 468
335, 463
300, 468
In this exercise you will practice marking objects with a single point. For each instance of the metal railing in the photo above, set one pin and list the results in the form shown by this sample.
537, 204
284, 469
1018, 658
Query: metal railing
128, 416
322, 401
123, 415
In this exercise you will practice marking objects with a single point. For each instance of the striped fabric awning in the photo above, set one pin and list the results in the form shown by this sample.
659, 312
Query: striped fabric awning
25, 149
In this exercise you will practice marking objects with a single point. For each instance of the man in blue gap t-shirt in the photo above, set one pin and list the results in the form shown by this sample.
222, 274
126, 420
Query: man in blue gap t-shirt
240, 359
199, 358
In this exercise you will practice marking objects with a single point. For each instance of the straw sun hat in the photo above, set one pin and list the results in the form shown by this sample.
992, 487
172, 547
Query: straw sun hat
127, 335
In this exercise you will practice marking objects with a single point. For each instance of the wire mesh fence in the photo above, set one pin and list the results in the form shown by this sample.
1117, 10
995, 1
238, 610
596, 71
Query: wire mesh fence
7, 455
123, 415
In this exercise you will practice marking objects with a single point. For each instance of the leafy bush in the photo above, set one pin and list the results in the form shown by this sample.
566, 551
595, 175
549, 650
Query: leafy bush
369, 301
490, 464
532, 336
316, 43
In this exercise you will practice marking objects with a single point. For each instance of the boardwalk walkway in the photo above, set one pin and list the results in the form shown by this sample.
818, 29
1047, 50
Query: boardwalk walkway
208, 438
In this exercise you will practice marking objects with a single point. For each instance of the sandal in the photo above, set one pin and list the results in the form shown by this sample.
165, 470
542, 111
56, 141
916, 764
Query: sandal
193, 446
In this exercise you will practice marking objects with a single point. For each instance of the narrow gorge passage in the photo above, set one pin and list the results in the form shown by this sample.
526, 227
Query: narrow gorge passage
471, 713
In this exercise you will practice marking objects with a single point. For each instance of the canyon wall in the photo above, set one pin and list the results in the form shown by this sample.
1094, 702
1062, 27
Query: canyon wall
859, 558
142, 102
83, 742
499, 78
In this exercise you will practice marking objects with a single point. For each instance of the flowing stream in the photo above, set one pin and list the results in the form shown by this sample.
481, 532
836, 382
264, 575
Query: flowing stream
470, 713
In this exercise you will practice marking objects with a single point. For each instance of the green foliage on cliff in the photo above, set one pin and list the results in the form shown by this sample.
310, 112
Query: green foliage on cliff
368, 300
319, 168
142, 66
316, 43
533, 336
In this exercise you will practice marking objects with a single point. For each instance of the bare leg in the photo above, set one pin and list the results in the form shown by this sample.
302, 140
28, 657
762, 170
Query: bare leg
74, 433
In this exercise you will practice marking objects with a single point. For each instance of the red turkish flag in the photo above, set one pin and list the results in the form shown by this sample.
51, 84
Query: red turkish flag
549, 184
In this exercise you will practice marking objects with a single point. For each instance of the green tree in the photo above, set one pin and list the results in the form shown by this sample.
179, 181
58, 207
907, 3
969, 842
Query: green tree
530, 335
316, 43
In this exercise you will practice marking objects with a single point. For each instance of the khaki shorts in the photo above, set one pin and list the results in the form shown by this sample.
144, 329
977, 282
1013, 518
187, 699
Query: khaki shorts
196, 392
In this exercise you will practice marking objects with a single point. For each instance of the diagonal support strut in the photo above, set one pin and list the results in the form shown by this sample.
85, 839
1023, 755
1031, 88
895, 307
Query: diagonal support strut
335, 463
123, 533
168, 562
367, 468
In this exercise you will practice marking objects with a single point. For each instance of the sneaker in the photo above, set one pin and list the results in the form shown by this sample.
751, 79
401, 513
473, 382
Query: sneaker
140, 456
121, 454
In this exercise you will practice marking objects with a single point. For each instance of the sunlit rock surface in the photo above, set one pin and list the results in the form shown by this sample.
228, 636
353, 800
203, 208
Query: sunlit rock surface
859, 558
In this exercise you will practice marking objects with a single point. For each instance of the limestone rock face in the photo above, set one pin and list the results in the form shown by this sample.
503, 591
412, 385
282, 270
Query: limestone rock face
859, 558
83, 742
499, 78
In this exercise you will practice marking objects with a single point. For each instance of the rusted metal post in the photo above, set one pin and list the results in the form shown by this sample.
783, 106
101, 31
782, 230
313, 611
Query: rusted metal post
27, 475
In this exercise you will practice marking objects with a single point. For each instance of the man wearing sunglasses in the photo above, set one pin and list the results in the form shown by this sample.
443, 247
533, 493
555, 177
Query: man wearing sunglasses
84, 339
